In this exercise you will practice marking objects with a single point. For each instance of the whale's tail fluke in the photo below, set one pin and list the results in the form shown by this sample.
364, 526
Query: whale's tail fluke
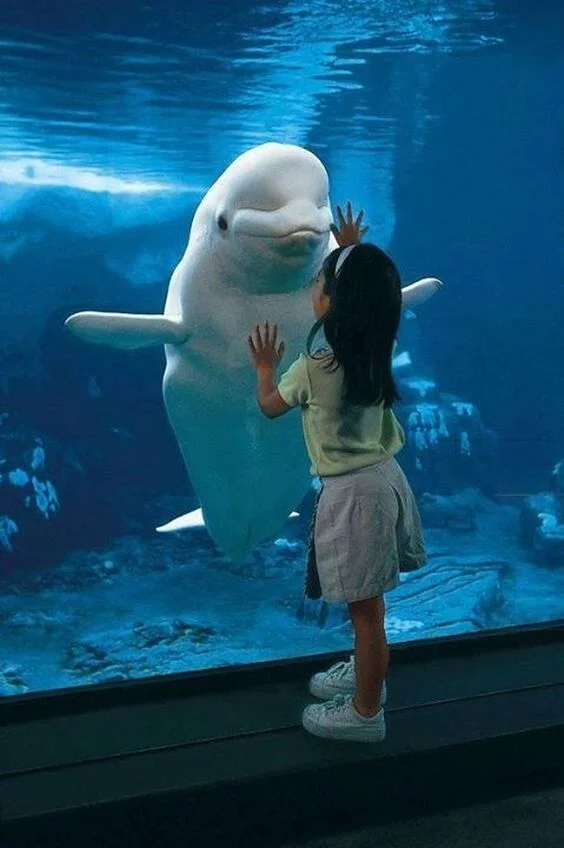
191, 521
188, 521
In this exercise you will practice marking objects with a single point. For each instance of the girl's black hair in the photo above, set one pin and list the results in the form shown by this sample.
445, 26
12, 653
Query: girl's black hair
362, 323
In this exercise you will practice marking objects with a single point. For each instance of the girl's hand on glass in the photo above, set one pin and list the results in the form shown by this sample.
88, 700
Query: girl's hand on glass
264, 348
348, 232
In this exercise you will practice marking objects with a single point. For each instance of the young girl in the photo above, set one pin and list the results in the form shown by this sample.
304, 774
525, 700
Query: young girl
367, 526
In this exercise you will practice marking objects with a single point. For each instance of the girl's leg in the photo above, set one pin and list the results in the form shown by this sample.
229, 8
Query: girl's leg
371, 653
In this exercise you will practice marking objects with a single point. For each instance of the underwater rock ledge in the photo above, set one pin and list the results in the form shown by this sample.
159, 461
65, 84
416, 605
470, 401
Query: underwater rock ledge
542, 521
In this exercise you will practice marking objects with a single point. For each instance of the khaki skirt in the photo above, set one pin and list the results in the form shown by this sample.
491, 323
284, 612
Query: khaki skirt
366, 529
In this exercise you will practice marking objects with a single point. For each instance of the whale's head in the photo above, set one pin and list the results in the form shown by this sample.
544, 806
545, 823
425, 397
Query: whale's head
266, 221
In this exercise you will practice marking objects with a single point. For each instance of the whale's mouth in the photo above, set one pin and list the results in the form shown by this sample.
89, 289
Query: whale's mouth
297, 234
301, 233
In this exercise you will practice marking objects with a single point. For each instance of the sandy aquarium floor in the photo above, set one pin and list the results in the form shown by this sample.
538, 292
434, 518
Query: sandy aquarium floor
172, 604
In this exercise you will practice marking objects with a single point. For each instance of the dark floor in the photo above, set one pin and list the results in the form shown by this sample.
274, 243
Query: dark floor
151, 763
527, 821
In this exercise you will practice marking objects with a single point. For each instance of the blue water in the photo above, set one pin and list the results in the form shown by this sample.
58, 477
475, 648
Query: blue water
443, 120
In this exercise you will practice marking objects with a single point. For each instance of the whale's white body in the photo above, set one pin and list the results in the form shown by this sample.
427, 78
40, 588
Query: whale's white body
249, 473
257, 240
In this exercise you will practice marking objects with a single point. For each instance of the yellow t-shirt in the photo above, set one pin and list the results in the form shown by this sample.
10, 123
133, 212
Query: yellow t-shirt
338, 441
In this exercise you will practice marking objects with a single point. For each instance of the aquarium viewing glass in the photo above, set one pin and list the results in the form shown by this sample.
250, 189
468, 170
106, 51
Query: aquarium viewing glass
444, 122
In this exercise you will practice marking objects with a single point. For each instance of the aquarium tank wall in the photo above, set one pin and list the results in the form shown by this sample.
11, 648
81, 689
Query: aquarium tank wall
444, 122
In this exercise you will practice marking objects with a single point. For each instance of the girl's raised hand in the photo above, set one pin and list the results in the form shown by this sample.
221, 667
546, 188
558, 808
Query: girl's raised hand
348, 232
264, 348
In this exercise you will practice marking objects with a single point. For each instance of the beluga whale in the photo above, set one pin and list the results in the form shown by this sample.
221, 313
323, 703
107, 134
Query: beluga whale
257, 240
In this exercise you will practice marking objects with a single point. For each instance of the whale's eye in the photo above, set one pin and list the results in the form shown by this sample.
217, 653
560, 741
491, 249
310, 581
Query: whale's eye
222, 222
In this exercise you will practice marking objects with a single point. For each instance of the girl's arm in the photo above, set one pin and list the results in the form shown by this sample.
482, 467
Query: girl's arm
269, 399
266, 355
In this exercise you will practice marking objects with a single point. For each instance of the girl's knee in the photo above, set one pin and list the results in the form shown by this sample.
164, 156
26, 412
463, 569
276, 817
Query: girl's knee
369, 609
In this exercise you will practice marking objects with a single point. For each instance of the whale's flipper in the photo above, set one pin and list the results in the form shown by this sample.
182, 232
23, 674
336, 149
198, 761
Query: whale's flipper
191, 520
123, 330
417, 293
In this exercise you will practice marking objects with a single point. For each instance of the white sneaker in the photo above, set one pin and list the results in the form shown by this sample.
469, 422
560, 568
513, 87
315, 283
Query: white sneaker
340, 679
338, 719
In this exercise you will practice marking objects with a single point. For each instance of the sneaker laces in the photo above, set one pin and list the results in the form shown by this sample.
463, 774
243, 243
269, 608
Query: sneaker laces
342, 668
336, 703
